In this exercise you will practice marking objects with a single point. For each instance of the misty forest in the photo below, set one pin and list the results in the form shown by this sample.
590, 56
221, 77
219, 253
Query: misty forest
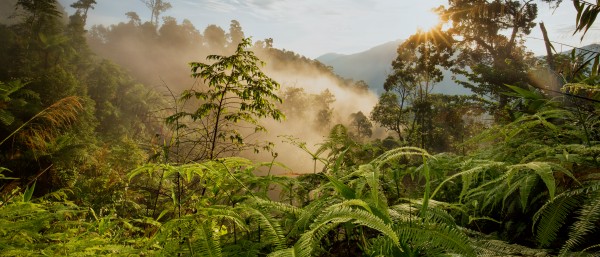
154, 137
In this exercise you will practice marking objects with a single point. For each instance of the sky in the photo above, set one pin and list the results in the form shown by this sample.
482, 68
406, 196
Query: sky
316, 27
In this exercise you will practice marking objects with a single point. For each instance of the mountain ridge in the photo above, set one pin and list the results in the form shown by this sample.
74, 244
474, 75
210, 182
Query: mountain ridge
372, 65
375, 64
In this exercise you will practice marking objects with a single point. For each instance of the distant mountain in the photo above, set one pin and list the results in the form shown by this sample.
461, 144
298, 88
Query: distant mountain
374, 65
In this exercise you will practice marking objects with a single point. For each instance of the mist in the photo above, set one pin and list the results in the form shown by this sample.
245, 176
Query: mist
160, 59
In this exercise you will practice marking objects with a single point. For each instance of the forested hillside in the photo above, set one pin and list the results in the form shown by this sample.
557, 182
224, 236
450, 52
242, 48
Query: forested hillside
156, 138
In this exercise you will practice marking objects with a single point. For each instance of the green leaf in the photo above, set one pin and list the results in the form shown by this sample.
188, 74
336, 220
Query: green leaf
28, 194
344, 190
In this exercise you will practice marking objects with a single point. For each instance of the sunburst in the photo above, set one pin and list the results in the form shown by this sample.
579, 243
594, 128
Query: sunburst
428, 20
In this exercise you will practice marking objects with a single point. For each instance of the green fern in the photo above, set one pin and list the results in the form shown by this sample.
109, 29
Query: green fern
551, 217
206, 241
586, 222
268, 223
437, 236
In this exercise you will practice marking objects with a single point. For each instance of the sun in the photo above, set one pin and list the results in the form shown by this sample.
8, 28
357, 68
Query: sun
428, 20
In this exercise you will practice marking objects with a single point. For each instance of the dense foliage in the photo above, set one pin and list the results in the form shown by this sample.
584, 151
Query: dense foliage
94, 163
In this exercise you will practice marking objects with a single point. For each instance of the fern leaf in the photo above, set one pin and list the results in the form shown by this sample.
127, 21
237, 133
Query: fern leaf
290, 252
309, 213
526, 185
6, 117
397, 153
344, 190
224, 212
551, 217
344, 214
270, 224
544, 170
437, 236
586, 223
208, 242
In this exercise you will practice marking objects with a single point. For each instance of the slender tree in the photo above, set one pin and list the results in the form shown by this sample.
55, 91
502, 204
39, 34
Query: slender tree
236, 96
83, 6
156, 8
416, 70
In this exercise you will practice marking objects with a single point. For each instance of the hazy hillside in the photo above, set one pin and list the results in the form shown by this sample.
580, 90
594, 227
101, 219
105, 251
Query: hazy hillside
374, 65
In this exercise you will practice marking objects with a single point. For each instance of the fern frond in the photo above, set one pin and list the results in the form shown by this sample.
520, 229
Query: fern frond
551, 217
526, 186
397, 153
270, 224
309, 213
543, 170
586, 223
278, 206
224, 212
295, 251
494, 248
344, 190
448, 238
309, 241
341, 214
46, 125
207, 241
481, 167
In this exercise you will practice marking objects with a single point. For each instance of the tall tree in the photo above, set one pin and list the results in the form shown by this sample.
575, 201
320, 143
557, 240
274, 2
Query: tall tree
416, 70
236, 34
322, 102
490, 36
83, 6
362, 124
390, 113
134, 18
156, 8
215, 38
